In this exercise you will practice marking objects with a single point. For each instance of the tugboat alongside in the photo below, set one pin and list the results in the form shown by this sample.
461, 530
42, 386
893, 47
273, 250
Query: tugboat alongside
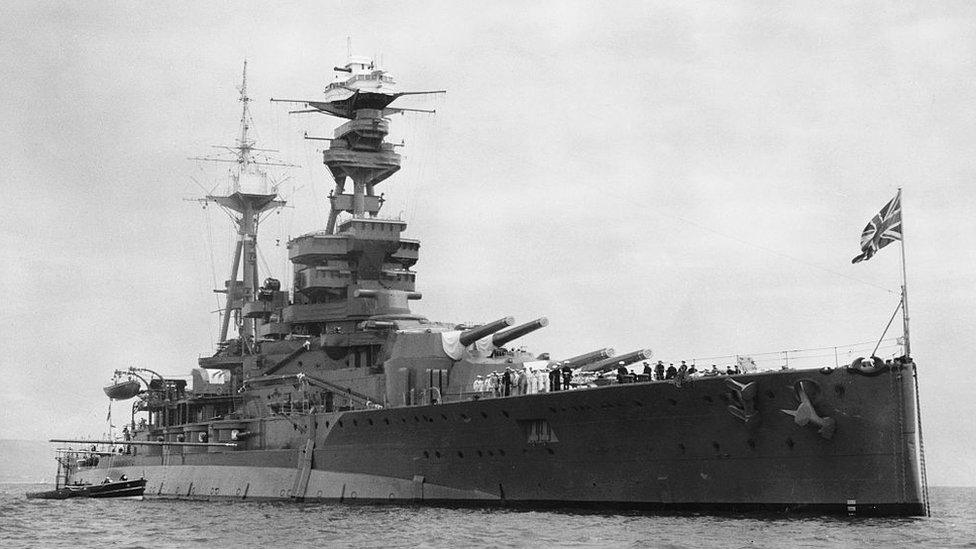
336, 390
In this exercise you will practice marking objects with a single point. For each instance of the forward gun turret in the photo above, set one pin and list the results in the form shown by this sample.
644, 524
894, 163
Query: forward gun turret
474, 334
625, 359
501, 338
586, 358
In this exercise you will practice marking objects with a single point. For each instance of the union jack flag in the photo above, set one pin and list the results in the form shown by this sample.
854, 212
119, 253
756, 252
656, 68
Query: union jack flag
883, 229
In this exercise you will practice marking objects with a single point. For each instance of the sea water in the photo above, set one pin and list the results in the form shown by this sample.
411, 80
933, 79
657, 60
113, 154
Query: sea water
101, 523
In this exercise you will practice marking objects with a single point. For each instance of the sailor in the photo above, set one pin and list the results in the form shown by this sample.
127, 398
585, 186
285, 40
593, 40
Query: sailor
692, 372
479, 384
672, 372
659, 371
507, 381
647, 371
554, 378
622, 372
714, 371
567, 376
729, 370
541, 381
683, 371
523, 382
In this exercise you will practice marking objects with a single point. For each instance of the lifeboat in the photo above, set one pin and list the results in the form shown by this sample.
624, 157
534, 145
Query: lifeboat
122, 390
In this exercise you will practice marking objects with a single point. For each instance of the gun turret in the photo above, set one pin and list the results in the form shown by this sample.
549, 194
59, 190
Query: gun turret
611, 363
504, 337
587, 358
474, 334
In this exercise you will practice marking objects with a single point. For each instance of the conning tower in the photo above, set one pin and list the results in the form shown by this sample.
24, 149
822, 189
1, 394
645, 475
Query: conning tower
358, 268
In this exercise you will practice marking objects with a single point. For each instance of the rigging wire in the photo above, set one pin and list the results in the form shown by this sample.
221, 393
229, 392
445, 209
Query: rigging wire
772, 251
850, 347
213, 271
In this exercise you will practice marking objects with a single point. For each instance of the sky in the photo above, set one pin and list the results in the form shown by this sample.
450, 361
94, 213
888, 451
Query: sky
691, 178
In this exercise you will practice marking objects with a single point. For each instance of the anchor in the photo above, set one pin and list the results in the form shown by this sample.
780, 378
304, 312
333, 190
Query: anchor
743, 407
867, 367
806, 414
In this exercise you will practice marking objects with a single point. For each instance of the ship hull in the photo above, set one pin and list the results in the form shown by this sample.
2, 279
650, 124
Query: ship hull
656, 446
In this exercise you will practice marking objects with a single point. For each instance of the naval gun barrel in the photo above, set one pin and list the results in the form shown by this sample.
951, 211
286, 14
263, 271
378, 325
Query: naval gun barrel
474, 334
505, 336
587, 358
611, 363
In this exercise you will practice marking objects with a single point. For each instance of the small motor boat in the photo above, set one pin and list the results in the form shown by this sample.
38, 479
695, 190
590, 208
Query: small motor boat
118, 489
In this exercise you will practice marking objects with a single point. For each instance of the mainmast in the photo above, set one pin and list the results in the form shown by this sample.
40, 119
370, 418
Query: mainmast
251, 193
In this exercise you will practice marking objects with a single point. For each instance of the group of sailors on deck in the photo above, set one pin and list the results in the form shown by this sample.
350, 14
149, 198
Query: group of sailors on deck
684, 371
522, 381
528, 381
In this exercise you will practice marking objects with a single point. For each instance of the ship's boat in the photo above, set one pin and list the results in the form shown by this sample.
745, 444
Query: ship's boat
122, 390
117, 489
337, 391
66, 485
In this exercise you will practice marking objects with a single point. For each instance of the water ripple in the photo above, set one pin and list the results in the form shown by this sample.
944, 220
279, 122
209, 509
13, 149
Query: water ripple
138, 524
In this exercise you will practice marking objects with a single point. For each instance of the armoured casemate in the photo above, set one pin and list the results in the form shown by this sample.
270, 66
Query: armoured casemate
338, 391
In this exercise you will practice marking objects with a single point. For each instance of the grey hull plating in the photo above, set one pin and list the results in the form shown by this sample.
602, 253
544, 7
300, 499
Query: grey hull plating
654, 445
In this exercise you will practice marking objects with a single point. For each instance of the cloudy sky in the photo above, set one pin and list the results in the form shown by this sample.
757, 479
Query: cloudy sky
688, 177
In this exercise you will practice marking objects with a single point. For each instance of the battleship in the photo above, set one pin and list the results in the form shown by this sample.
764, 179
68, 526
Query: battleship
334, 390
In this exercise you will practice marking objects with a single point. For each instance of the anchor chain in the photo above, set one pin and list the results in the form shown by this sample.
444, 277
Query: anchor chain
921, 443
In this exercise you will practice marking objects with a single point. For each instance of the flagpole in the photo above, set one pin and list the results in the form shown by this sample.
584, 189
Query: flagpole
904, 281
